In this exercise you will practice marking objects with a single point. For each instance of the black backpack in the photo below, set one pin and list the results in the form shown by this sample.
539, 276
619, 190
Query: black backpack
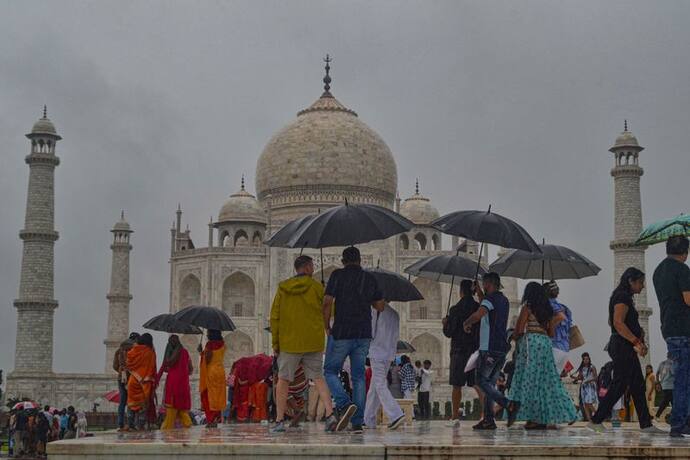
604, 379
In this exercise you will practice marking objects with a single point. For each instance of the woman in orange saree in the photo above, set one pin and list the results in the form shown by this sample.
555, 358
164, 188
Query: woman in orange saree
141, 364
212, 378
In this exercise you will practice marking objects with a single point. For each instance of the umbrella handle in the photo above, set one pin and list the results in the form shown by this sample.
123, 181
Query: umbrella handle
450, 293
479, 257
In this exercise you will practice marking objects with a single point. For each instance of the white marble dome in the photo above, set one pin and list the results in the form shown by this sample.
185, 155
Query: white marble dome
626, 139
327, 147
242, 206
419, 209
122, 225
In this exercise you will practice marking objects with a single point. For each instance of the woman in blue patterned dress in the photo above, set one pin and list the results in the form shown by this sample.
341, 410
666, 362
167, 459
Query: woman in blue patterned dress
536, 382
586, 374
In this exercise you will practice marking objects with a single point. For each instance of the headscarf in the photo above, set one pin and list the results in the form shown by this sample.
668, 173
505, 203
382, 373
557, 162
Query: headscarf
145, 339
214, 334
172, 350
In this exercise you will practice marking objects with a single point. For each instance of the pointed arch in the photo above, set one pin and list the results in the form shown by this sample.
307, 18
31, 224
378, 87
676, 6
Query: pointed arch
239, 295
430, 307
435, 242
225, 239
428, 347
257, 239
237, 345
190, 291
420, 240
404, 242
241, 238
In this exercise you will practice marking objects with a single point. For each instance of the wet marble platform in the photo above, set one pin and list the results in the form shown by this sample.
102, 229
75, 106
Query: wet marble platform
428, 440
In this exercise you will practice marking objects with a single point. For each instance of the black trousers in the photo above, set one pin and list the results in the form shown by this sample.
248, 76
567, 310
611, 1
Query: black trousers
424, 405
627, 375
667, 399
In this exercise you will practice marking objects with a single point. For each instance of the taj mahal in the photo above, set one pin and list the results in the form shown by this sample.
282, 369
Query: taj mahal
327, 154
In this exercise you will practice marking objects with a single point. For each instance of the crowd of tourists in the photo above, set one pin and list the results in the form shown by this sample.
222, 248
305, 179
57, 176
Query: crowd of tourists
336, 361
30, 429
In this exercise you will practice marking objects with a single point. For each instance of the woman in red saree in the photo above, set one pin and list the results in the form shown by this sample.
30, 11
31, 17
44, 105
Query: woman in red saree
177, 397
212, 378
141, 364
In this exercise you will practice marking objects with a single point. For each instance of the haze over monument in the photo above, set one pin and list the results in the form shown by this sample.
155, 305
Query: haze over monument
144, 134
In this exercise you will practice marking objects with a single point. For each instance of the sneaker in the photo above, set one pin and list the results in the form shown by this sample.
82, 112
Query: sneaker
278, 428
357, 429
396, 423
512, 409
330, 423
596, 427
653, 430
344, 419
484, 426
453, 423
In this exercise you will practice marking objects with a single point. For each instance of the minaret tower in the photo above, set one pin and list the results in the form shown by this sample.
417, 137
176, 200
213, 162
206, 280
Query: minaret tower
626, 175
119, 296
36, 302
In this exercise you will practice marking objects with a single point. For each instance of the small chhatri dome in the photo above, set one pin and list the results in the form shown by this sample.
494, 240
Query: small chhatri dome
44, 125
242, 206
419, 209
327, 145
122, 225
626, 139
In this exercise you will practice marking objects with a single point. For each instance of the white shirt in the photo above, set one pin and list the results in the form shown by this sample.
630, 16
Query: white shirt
385, 327
426, 380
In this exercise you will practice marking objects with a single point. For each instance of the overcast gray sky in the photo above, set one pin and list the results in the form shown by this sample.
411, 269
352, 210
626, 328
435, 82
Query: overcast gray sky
503, 102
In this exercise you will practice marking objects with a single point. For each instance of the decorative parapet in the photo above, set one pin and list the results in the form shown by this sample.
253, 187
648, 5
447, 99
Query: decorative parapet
627, 170
42, 158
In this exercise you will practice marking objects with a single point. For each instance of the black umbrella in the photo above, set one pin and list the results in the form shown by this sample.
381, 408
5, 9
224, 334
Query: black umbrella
446, 268
553, 263
206, 317
405, 347
394, 286
168, 323
282, 236
486, 227
344, 225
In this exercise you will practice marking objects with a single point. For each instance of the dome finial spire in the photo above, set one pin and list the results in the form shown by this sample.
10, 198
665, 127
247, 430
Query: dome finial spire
242, 182
122, 214
45, 111
625, 125
416, 186
327, 78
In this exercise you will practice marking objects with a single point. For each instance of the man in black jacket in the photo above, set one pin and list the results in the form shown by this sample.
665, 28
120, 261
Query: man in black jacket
462, 345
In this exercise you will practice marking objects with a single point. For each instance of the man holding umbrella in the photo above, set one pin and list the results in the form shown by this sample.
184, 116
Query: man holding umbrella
493, 313
354, 292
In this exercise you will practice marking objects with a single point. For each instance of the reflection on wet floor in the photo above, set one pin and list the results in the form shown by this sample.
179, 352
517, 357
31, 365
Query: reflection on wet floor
422, 434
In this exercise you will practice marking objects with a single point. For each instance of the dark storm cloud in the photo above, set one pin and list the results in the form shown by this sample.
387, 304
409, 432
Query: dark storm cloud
509, 103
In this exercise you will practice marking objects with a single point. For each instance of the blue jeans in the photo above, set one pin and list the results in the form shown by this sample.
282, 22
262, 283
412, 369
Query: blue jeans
336, 352
489, 365
122, 407
679, 350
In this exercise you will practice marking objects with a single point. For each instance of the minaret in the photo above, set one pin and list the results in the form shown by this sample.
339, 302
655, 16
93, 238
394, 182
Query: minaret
628, 216
118, 296
36, 303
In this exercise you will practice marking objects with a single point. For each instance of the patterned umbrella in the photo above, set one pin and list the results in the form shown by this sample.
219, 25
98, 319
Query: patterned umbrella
662, 231
113, 396
26, 405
